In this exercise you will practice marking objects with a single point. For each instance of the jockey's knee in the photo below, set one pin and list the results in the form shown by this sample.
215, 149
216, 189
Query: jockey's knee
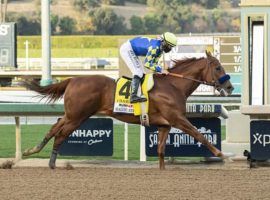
139, 74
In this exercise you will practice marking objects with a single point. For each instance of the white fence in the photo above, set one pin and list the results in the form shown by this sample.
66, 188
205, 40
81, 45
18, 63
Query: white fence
69, 63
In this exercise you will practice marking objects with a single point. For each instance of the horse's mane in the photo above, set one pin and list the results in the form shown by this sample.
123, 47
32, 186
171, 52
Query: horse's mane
185, 62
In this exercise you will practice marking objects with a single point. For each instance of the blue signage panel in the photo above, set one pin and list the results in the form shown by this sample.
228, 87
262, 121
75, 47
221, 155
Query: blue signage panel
180, 144
260, 139
93, 138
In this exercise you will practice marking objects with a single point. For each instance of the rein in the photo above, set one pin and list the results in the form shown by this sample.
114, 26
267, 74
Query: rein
214, 83
192, 79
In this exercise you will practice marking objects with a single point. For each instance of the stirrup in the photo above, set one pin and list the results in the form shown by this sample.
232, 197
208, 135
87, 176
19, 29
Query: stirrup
144, 119
137, 99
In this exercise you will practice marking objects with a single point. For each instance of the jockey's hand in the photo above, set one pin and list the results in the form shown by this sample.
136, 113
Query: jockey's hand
165, 72
158, 69
161, 71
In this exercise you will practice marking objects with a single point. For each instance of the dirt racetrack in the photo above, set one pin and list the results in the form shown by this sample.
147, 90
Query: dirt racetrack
103, 181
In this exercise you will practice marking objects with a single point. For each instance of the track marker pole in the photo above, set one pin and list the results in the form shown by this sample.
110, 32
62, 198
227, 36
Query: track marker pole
18, 155
126, 142
142, 144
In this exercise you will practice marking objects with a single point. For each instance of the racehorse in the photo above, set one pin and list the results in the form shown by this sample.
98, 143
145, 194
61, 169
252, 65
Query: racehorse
89, 95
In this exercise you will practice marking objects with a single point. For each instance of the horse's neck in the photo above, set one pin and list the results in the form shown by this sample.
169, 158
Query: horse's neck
194, 71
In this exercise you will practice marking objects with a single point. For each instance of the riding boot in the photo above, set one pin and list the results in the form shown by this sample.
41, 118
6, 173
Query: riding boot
135, 83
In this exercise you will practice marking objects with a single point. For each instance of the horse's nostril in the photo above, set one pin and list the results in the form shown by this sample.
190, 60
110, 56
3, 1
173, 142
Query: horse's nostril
231, 88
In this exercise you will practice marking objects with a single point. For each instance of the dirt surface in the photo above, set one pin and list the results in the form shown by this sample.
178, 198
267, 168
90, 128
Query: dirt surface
136, 181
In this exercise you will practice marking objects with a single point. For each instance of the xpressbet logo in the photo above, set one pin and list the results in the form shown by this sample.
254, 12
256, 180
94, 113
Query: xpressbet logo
4, 29
262, 139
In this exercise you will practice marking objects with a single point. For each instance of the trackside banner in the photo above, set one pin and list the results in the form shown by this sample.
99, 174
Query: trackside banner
93, 138
8, 45
260, 139
181, 144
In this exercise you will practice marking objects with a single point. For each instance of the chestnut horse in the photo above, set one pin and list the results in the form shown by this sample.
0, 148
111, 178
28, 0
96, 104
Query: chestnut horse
89, 95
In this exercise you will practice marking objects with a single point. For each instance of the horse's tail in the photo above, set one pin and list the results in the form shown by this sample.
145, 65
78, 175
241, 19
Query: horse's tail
53, 92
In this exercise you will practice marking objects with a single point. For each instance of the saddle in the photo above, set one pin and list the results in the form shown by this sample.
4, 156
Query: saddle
122, 98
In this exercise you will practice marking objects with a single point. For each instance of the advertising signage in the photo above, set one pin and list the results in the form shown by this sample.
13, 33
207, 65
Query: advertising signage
8, 45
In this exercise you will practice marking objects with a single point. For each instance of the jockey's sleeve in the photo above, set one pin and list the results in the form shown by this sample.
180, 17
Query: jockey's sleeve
152, 58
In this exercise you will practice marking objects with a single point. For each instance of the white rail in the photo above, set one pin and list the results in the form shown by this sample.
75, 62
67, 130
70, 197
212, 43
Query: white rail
69, 63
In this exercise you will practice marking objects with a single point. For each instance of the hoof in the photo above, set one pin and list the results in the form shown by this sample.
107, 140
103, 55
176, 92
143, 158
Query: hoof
26, 152
31, 151
162, 167
52, 165
53, 159
227, 158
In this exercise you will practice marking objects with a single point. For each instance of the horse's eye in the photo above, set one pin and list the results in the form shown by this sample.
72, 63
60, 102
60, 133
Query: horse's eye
218, 68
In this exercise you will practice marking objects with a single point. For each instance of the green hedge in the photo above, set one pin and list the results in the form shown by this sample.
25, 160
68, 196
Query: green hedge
73, 42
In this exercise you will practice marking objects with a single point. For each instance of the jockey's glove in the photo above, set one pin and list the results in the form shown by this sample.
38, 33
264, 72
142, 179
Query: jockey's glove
158, 69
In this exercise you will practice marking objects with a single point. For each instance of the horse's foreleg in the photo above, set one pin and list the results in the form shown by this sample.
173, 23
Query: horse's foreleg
53, 131
187, 127
163, 132
60, 137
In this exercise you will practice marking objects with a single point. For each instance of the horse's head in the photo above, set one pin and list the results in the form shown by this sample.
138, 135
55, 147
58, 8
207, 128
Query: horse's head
218, 77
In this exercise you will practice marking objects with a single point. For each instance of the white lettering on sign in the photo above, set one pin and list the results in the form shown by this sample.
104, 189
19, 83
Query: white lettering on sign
176, 130
191, 108
237, 49
90, 142
237, 69
154, 140
203, 108
261, 139
204, 90
204, 130
91, 133
237, 59
183, 139
207, 108
4, 29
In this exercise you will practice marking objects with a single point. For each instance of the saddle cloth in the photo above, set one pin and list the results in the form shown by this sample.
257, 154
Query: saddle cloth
122, 96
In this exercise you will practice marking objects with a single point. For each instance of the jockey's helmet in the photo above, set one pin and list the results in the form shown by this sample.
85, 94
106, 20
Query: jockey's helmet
170, 39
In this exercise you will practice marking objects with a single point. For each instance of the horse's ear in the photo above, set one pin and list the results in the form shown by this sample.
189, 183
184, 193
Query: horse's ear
208, 53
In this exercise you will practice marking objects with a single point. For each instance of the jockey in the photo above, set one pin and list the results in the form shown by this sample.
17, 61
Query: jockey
152, 50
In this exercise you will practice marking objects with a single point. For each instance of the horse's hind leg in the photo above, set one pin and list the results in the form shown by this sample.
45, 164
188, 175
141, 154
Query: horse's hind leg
67, 129
56, 128
163, 132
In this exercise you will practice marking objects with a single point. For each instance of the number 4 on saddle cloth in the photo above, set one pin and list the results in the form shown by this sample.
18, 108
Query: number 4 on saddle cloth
122, 98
